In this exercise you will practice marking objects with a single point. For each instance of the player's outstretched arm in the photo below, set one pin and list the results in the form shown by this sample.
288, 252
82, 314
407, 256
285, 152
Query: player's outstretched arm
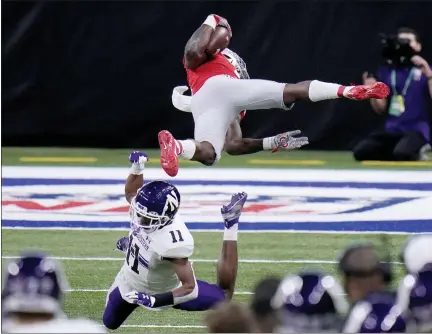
188, 291
194, 52
135, 179
235, 144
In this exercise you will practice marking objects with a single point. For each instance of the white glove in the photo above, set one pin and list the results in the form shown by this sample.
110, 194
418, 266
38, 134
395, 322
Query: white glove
180, 101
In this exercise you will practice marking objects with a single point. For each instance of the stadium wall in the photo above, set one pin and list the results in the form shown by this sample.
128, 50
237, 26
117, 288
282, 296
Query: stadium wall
101, 73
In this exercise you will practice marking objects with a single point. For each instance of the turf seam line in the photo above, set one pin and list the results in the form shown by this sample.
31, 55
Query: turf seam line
81, 229
66, 258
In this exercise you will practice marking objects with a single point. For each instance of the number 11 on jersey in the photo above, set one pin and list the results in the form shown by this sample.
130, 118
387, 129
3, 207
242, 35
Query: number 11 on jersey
136, 255
177, 238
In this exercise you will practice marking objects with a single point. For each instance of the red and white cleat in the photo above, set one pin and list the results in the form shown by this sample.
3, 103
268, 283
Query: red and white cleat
378, 90
168, 158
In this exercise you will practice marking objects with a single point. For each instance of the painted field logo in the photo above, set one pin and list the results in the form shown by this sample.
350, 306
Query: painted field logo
193, 203
99, 202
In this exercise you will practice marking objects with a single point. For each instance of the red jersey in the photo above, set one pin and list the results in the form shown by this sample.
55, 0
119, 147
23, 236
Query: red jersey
217, 65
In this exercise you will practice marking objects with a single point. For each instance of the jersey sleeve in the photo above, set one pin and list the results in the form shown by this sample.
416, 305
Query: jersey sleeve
180, 252
176, 242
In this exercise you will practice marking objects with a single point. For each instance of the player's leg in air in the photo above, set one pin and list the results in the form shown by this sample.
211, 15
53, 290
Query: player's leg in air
235, 144
226, 275
221, 90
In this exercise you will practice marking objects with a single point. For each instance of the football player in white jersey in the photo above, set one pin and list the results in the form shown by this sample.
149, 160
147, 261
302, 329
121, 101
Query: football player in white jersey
31, 298
157, 272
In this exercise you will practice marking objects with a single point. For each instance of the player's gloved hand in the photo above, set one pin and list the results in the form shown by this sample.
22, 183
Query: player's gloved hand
140, 298
180, 101
138, 160
123, 244
286, 141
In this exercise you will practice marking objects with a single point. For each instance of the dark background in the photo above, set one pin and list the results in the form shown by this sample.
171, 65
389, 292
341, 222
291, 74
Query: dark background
100, 74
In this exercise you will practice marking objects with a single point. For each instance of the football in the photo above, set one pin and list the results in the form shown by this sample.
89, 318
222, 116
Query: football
218, 41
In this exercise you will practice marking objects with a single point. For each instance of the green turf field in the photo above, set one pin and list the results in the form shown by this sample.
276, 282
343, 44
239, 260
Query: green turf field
118, 157
260, 254
88, 254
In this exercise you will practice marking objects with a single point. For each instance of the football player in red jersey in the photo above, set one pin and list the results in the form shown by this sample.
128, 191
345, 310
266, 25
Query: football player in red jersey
235, 144
222, 89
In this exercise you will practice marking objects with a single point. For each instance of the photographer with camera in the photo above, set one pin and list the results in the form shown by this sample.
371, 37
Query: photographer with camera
407, 130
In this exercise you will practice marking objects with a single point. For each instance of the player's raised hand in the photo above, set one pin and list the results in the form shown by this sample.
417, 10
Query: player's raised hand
223, 22
139, 298
138, 157
138, 160
287, 141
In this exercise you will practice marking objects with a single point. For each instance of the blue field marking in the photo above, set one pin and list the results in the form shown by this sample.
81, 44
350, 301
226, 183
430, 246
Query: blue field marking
408, 226
8, 182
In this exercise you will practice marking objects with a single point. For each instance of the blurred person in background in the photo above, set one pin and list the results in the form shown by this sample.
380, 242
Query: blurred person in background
230, 317
366, 281
309, 302
34, 286
406, 135
265, 315
415, 290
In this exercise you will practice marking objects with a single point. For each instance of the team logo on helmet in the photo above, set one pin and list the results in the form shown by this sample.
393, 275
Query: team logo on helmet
155, 205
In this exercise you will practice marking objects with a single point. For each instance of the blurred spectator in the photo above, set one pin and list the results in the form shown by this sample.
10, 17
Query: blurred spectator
261, 304
310, 302
231, 317
32, 295
415, 289
407, 130
366, 281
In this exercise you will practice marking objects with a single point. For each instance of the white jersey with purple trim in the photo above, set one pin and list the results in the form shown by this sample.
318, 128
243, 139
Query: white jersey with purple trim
58, 325
145, 269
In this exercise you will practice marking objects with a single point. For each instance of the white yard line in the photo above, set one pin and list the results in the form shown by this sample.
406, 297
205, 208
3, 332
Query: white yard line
67, 258
240, 293
161, 326
107, 229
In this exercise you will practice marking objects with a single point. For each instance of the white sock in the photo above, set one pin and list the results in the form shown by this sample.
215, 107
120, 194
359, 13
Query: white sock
319, 91
186, 148
269, 143
230, 234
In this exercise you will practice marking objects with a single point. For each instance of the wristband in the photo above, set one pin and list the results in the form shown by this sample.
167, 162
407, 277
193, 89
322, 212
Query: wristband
162, 299
211, 21
429, 77
136, 169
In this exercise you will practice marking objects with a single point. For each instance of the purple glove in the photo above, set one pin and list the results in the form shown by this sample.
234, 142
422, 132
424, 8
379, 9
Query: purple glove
138, 157
122, 244
138, 160
140, 298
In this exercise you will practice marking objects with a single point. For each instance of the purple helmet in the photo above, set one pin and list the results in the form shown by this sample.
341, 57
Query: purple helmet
310, 302
155, 205
33, 283
415, 300
415, 289
376, 313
